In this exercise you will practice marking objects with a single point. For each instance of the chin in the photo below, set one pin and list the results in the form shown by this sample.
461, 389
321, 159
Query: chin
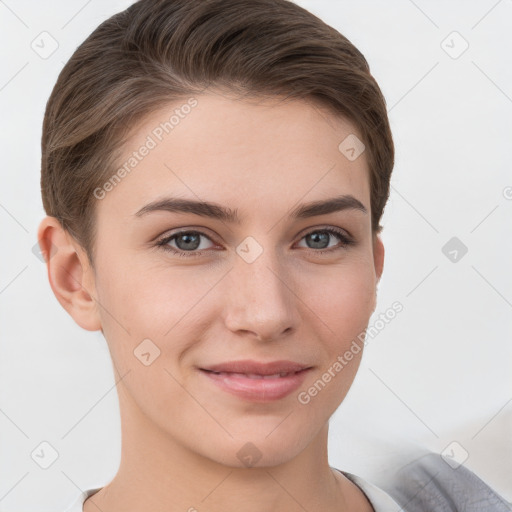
259, 450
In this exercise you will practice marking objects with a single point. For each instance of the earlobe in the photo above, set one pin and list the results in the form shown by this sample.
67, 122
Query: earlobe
69, 273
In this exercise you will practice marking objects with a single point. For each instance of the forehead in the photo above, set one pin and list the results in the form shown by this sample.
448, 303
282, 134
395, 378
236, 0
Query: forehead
251, 153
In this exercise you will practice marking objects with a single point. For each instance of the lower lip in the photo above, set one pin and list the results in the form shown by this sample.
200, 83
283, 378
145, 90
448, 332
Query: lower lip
258, 390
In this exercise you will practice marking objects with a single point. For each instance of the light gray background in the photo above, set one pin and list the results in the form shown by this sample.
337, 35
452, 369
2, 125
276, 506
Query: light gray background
439, 372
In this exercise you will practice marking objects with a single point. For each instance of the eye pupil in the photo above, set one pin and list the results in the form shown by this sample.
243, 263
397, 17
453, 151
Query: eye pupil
190, 238
187, 243
319, 237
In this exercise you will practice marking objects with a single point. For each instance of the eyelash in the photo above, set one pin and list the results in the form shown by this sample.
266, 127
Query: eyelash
345, 240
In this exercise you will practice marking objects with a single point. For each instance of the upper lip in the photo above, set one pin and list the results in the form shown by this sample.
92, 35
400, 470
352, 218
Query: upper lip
257, 368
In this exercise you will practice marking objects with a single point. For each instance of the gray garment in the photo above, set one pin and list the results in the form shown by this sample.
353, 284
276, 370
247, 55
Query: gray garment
429, 484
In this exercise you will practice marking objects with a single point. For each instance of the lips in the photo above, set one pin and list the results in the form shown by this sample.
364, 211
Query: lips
257, 382
255, 375
255, 369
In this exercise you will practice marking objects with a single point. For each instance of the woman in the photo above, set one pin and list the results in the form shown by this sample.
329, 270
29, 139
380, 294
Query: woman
214, 174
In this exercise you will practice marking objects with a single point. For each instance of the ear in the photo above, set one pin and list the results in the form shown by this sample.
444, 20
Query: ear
378, 261
69, 273
378, 255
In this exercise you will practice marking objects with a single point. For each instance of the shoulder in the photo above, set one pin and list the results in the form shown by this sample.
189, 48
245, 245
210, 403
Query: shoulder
431, 483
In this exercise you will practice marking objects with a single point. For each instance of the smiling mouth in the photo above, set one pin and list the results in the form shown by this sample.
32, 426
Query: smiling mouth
255, 375
256, 387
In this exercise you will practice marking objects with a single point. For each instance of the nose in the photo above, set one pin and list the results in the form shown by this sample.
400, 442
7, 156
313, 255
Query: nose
260, 300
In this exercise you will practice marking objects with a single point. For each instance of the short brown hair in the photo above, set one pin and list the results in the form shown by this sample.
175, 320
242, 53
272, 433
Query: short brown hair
159, 51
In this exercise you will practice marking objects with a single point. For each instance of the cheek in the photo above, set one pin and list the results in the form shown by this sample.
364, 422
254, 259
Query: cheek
353, 302
147, 299
342, 307
152, 303
342, 298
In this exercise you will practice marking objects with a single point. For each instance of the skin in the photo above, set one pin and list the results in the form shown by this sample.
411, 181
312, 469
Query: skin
181, 433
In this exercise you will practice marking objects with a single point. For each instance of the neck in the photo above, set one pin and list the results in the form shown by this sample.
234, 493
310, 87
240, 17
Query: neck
158, 473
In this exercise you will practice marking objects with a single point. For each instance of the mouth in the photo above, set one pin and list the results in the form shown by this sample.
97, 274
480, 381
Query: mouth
258, 385
255, 375
251, 367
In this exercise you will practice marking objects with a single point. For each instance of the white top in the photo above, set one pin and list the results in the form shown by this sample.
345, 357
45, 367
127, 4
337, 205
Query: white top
380, 500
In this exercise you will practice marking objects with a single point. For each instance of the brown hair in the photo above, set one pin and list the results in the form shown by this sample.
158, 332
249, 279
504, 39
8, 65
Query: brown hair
159, 51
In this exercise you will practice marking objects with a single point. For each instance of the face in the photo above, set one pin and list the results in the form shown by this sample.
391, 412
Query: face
181, 289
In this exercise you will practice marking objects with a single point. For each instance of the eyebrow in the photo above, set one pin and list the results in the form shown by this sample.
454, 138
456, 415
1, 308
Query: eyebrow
216, 211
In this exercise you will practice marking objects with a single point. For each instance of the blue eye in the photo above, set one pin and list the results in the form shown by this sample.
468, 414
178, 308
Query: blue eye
188, 242
319, 236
